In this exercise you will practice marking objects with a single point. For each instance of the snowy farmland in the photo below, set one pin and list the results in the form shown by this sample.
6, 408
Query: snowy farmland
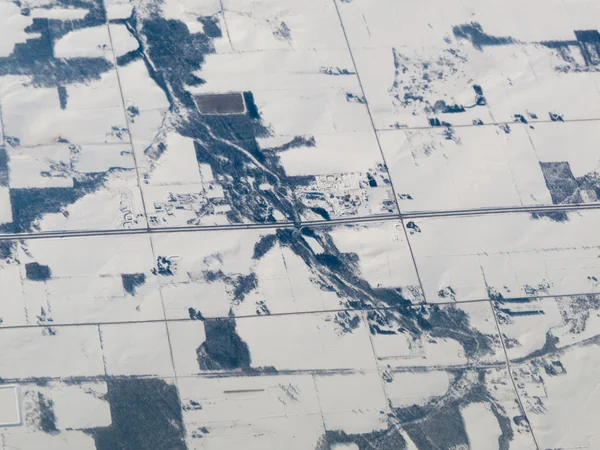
318, 225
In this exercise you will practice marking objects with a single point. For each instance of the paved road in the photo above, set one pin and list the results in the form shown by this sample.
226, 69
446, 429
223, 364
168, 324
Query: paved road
316, 223
290, 313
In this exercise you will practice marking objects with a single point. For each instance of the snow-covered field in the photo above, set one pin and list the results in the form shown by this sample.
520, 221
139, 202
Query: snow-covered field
507, 255
317, 225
